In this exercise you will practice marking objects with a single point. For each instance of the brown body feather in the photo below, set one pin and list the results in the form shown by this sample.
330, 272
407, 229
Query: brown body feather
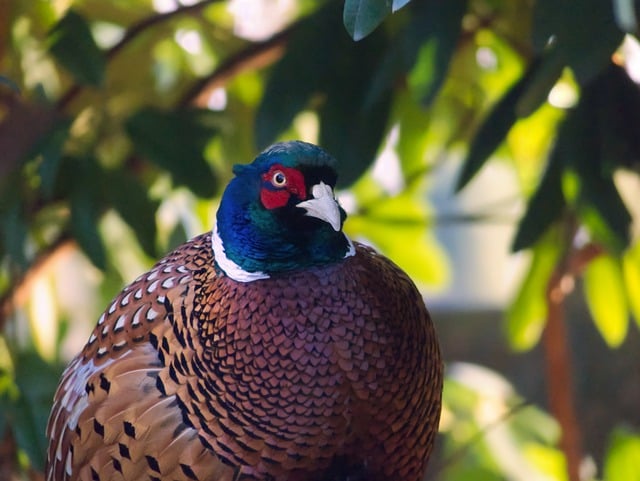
190, 375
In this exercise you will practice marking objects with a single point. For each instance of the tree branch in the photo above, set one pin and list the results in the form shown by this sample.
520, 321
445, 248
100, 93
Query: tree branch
557, 351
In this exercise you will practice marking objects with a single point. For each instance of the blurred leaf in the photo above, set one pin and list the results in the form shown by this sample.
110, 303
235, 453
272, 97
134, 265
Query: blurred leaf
631, 272
579, 148
541, 83
584, 38
545, 206
132, 202
361, 17
621, 460
551, 462
618, 101
396, 223
494, 128
175, 141
526, 316
72, 44
442, 23
36, 381
298, 75
14, 231
605, 295
51, 150
425, 46
350, 128
86, 209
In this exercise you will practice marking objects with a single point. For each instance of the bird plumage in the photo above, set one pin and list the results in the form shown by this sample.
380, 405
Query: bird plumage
324, 368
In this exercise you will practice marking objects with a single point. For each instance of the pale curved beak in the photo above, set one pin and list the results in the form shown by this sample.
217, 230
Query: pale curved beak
323, 205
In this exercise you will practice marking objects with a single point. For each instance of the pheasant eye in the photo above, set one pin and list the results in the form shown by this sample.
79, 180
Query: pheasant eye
279, 179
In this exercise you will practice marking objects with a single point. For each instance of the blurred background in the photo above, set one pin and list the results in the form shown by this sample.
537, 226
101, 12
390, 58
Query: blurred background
491, 148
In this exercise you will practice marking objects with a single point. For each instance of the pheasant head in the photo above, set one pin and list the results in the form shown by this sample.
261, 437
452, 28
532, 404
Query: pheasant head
280, 214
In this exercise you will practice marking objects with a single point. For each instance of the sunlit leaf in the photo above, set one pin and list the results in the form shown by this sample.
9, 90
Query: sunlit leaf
175, 141
395, 224
621, 459
551, 462
605, 295
631, 271
73, 46
526, 316
361, 17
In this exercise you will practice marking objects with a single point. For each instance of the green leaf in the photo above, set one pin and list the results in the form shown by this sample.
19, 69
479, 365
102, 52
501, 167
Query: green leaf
36, 381
72, 44
631, 272
584, 37
86, 209
545, 206
621, 459
494, 129
361, 17
51, 150
298, 75
579, 146
14, 231
526, 316
541, 83
350, 127
605, 295
442, 21
175, 141
424, 47
135, 207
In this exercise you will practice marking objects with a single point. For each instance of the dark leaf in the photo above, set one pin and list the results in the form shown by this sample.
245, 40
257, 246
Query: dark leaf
579, 146
545, 207
298, 75
433, 27
585, 37
351, 128
444, 21
50, 148
14, 230
176, 141
494, 128
86, 209
131, 201
73, 46
36, 381
361, 17
551, 65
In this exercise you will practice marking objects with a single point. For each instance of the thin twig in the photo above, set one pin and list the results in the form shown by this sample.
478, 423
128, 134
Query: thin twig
460, 452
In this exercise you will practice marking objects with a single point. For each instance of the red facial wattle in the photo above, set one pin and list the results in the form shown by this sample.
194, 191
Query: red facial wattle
279, 184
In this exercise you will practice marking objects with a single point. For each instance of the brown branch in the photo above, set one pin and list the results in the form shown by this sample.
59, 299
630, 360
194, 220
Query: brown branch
256, 55
557, 353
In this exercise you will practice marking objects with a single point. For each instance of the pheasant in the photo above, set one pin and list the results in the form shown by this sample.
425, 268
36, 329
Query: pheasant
272, 348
